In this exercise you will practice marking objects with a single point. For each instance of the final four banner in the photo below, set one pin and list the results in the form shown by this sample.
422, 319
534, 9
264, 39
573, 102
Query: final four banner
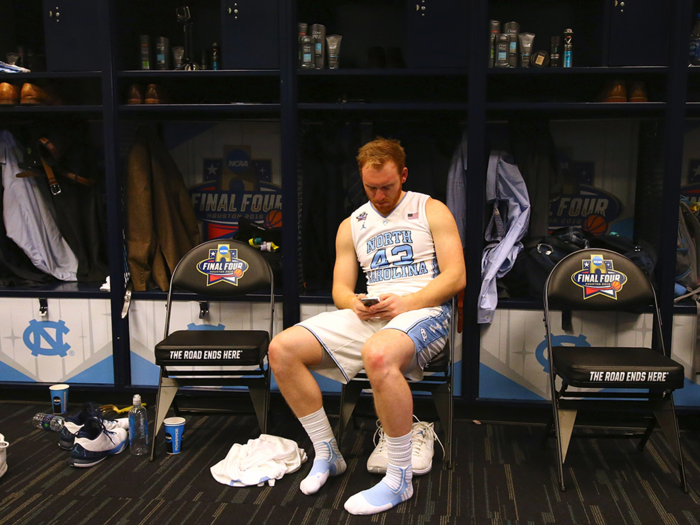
72, 343
236, 185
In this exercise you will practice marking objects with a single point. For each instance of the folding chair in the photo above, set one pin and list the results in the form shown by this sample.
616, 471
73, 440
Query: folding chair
438, 380
216, 269
602, 280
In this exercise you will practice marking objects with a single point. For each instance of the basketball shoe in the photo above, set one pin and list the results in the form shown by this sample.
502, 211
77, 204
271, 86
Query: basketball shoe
3, 455
423, 449
74, 423
95, 442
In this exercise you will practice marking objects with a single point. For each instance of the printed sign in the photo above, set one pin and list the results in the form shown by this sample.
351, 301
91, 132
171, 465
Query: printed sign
598, 277
627, 377
236, 186
592, 208
223, 265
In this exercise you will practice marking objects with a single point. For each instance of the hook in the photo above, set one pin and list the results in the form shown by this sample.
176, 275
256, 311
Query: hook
203, 309
43, 307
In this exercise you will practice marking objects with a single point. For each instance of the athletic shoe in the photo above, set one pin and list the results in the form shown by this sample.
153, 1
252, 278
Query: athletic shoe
3, 455
95, 442
74, 423
423, 449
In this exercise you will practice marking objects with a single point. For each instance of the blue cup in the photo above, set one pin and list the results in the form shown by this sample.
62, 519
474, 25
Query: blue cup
59, 398
174, 428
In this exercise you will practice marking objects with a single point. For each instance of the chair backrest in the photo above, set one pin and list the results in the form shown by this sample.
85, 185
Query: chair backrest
597, 279
222, 268
600, 280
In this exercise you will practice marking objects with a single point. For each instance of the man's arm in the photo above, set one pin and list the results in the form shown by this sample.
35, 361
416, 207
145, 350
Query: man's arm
453, 274
345, 273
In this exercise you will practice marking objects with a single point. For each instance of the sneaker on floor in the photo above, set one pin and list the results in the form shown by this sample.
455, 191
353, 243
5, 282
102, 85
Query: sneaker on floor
423, 436
95, 442
379, 458
74, 423
3, 455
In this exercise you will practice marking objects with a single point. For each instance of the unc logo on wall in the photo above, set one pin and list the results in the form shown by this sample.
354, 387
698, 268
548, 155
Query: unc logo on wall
558, 340
237, 160
39, 339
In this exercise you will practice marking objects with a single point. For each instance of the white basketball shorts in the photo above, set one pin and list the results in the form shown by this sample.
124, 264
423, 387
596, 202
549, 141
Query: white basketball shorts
342, 335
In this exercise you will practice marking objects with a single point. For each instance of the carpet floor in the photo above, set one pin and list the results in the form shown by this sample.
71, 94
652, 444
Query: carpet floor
501, 476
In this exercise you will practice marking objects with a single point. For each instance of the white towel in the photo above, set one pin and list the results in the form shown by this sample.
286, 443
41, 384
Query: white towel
267, 458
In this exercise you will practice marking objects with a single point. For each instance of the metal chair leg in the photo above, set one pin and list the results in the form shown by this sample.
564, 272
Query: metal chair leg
349, 397
260, 396
666, 416
166, 393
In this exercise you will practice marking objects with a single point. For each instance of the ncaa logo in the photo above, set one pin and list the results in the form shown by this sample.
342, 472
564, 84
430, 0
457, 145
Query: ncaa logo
223, 250
597, 265
237, 161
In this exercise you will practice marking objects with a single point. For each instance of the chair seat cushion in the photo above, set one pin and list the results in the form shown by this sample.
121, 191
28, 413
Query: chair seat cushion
213, 348
438, 363
601, 367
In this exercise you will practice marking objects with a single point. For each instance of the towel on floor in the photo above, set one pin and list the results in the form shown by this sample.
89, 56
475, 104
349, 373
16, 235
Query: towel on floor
267, 458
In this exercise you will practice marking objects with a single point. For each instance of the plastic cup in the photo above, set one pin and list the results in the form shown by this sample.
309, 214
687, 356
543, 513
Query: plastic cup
59, 398
174, 428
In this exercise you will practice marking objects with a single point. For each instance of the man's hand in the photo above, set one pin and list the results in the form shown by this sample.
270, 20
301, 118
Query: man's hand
389, 306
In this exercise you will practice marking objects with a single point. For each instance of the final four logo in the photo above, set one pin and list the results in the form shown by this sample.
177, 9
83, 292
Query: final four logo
223, 265
599, 277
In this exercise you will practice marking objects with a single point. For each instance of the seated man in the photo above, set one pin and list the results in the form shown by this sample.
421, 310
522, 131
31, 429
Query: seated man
410, 251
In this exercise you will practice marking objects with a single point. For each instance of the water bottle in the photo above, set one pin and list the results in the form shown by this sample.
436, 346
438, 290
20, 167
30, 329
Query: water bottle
694, 55
138, 428
48, 422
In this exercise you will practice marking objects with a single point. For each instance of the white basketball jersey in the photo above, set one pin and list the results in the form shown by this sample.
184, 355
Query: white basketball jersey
397, 252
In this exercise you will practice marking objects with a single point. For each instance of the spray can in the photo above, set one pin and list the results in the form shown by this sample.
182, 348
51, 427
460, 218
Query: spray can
512, 29
568, 47
495, 31
302, 32
145, 52
318, 33
215, 58
554, 53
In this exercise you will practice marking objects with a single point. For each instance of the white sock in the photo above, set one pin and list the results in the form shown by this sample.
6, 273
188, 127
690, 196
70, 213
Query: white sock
327, 460
395, 487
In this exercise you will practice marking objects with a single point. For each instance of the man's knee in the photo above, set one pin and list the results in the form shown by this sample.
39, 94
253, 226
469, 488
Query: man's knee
375, 359
385, 356
279, 353
291, 348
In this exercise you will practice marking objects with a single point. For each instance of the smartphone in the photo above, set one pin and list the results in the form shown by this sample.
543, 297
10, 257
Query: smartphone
369, 301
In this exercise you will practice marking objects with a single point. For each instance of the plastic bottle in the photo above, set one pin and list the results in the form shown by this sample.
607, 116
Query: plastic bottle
48, 422
138, 428
694, 55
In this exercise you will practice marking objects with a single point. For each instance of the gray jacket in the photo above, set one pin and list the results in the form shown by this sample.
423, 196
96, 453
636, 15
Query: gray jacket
506, 191
29, 219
